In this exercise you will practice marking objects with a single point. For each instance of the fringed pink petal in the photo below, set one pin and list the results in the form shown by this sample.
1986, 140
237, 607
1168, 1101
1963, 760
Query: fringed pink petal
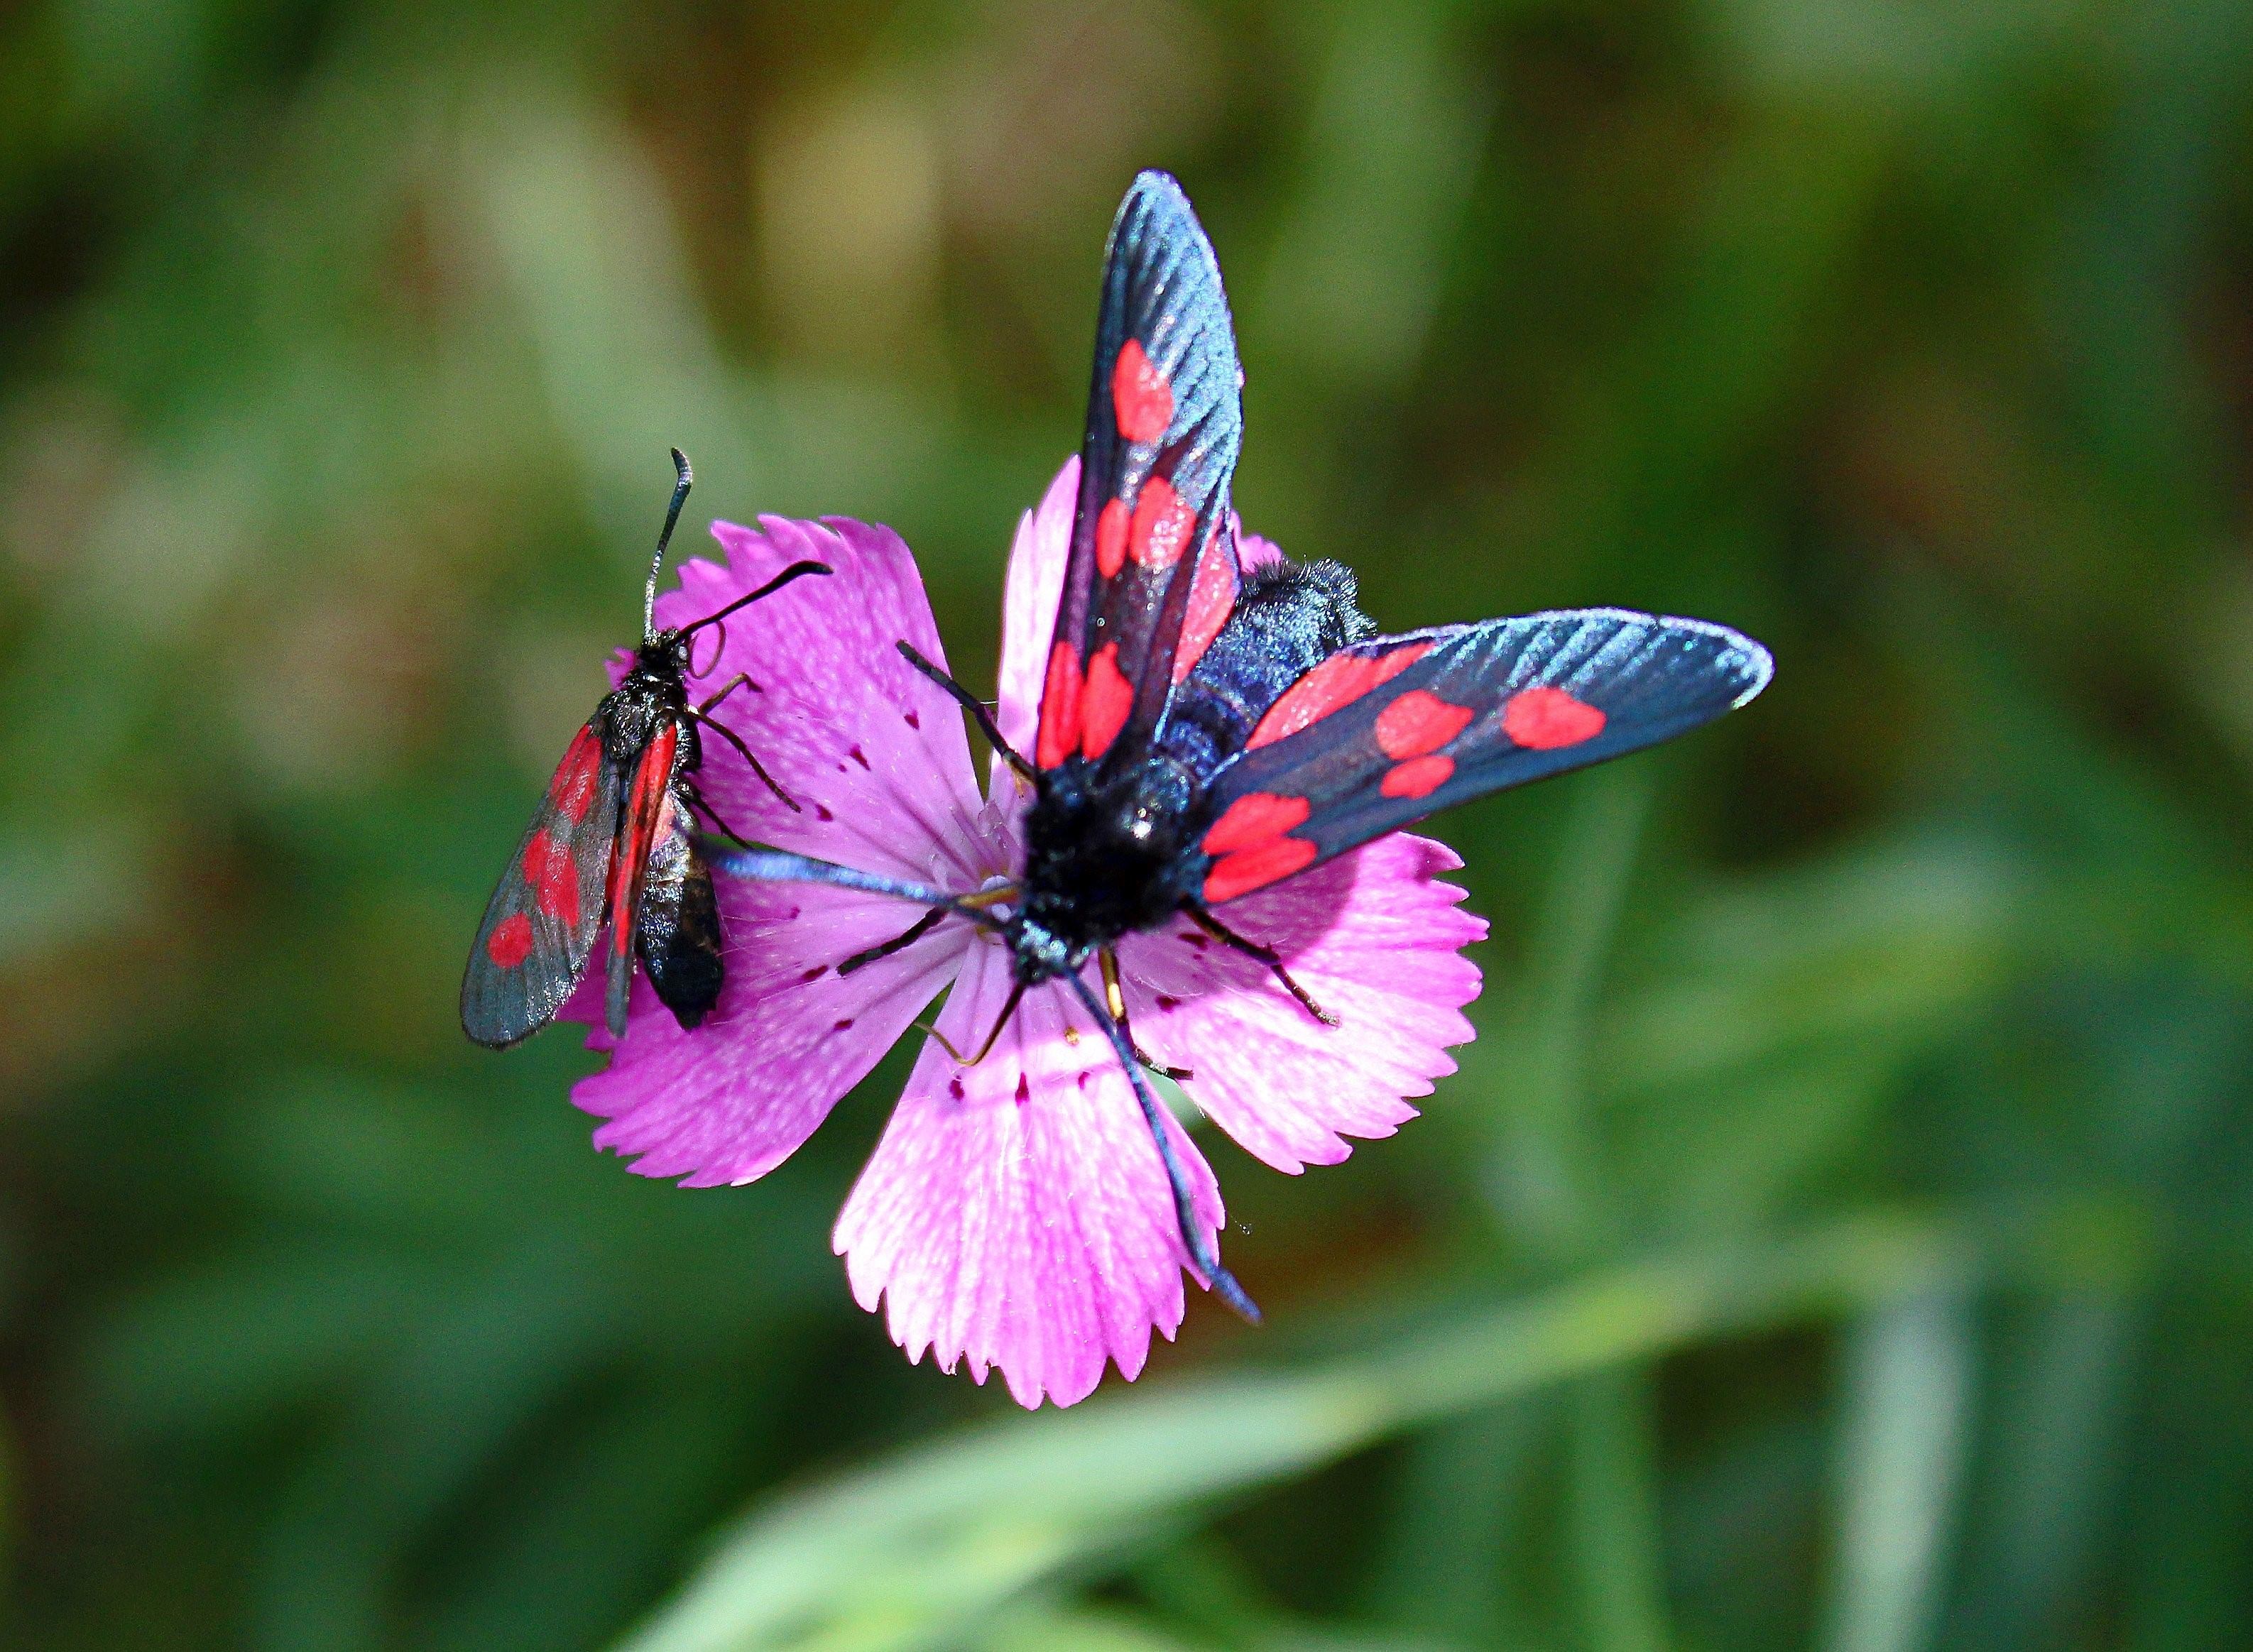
1017, 1213
731, 1099
1034, 588
1252, 553
874, 755
1375, 938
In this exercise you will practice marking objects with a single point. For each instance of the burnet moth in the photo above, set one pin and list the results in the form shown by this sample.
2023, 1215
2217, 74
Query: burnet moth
1210, 728
614, 839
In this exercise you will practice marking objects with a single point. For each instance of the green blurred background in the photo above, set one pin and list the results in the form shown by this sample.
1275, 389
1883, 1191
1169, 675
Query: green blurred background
1839, 1236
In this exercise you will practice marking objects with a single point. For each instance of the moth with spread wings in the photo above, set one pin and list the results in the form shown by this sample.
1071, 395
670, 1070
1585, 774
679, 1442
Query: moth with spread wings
1208, 729
612, 838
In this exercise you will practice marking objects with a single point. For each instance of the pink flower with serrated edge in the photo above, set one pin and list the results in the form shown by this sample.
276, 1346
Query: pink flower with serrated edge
1016, 1214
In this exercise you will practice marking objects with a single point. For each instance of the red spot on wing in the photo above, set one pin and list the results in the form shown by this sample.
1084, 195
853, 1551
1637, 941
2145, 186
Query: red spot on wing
1254, 818
510, 944
1110, 538
1212, 598
1419, 721
1255, 868
553, 877
1418, 777
1338, 681
1544, 719
1163, 525
572, 791
1140, 398
1104, 702
1059, 707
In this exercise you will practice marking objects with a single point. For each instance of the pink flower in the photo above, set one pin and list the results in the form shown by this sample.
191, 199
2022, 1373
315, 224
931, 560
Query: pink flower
1017, 1213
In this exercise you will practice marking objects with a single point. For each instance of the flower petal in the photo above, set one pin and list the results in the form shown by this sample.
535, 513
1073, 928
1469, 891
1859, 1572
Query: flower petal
733, 1098
874, 753
1252, 553
1028, 607
1374, 935
1017, 1213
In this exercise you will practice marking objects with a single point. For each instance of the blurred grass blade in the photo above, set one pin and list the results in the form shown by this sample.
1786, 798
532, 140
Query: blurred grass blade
1908, 1397
1618, 1576
1394, 139
1543, 1179
628, 356
913, 1550
1463, 1492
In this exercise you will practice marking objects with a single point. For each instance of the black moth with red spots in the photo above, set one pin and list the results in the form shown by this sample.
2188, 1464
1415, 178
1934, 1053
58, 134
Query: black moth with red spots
1207, 728
613, 838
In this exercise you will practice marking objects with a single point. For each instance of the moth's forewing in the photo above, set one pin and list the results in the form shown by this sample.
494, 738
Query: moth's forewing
1151, 569
539, 926
645, 820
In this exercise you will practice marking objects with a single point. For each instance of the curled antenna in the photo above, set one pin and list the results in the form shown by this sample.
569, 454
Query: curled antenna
664, 538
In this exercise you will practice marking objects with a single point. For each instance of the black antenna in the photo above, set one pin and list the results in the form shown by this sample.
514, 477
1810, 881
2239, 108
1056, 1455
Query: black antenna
664, 538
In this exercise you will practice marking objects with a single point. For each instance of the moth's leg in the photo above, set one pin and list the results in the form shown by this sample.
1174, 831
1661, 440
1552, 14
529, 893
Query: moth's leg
733, 683
744, 751
974, 706
1201, 1253
967, 905
1116, 999
1009, 1009
1257, 953
904, 939
704, 805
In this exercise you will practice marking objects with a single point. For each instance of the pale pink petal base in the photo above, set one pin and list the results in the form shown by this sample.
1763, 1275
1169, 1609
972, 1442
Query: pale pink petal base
1017, 1213
1374, 937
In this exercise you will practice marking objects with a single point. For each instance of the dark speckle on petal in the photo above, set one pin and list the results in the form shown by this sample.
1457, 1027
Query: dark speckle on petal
1082, 1078
859, 756
954, 1088
843, 1025
815, 974
914, 722
1168, 1003
1192, 939
821, 812
1024, 1090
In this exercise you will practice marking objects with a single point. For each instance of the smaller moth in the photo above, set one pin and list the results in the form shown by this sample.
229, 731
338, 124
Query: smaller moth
614, 837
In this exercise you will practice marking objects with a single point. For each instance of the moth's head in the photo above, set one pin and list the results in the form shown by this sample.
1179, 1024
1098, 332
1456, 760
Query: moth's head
663, 651
1036, 953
